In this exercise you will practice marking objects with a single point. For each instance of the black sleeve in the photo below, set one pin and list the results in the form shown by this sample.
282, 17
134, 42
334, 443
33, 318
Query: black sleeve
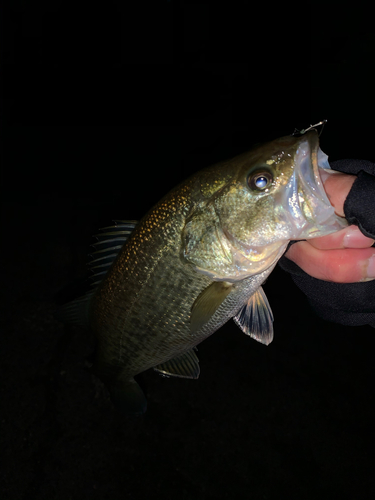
349, 303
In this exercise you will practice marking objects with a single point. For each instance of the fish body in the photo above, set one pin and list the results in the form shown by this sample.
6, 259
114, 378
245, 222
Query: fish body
199, 258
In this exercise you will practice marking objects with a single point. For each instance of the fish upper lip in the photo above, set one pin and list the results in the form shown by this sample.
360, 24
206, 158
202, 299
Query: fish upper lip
316, 156
310, 161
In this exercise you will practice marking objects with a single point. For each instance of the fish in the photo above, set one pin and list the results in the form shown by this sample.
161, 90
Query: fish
197, 259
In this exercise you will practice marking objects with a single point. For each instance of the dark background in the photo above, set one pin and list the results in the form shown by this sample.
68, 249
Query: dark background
104, 109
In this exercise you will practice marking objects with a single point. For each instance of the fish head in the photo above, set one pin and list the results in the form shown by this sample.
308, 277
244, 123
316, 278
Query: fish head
269, 196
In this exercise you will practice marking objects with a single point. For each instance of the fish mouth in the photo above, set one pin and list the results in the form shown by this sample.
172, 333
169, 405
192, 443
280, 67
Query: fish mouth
310, 210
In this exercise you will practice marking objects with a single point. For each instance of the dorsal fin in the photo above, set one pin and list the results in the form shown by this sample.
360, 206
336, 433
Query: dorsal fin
109, 244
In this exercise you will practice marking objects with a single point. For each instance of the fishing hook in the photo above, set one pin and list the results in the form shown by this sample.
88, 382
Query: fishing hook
303, 131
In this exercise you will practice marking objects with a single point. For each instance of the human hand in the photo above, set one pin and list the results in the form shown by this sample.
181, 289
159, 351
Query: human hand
341, 257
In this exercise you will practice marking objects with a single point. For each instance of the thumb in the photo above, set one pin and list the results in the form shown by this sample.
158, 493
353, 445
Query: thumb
337, 187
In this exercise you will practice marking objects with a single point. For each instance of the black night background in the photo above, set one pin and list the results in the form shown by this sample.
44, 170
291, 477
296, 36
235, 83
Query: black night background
104, 109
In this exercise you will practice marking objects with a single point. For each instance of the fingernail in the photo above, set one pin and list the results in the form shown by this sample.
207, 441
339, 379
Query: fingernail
355, 239
370, 271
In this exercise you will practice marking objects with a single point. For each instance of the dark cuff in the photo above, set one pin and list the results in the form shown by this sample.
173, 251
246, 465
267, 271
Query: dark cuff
359, 206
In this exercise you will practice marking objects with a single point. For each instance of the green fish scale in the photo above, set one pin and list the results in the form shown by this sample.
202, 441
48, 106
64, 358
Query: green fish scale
141, 311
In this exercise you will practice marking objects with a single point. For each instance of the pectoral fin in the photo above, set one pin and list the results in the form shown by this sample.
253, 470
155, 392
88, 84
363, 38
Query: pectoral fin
207, 303
184, 366
255, 318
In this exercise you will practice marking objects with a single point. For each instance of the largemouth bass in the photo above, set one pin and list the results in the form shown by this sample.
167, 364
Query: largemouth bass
198, 259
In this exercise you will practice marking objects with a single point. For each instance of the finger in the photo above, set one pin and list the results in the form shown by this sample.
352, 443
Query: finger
349, 237
340, 266
337, 187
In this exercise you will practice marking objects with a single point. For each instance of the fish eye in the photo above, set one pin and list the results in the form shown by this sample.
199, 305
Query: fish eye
259, 181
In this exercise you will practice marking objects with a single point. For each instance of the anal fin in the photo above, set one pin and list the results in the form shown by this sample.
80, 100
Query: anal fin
184, 366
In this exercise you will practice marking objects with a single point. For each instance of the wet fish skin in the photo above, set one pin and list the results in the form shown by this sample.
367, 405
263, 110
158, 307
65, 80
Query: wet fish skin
195, 260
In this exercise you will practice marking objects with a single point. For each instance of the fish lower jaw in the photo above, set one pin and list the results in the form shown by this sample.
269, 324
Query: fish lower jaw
242, 267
